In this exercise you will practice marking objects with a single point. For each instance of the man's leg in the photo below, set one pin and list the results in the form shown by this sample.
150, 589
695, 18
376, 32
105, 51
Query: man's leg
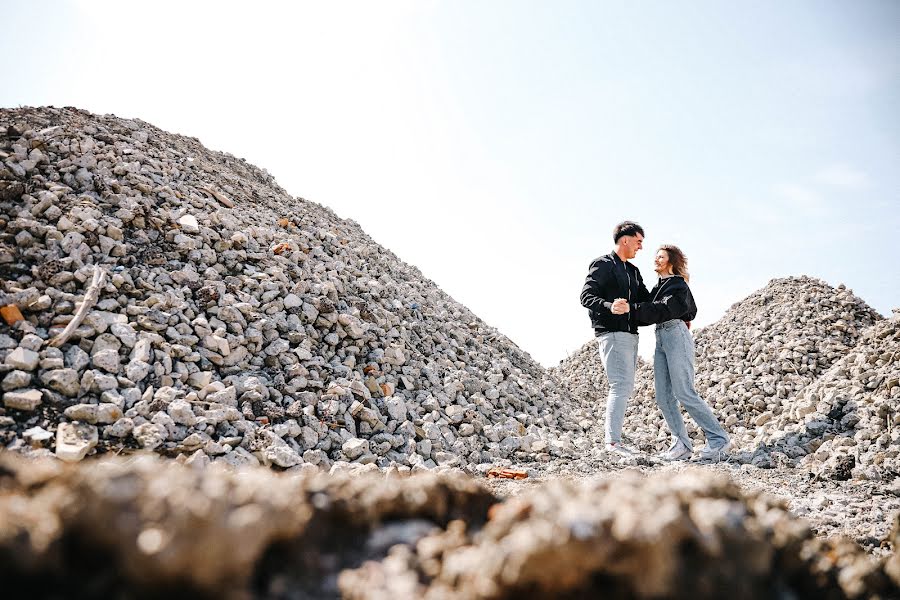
665, 399
681, 370
618, 353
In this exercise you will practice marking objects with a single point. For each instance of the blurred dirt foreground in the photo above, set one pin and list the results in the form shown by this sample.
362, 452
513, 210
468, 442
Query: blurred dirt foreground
147, 527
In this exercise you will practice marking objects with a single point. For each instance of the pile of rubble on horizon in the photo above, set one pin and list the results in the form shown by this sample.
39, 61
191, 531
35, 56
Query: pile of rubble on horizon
149, 527
167, 297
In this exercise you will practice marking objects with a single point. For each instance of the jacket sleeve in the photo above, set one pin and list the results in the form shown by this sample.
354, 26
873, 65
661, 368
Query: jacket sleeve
591, 293
668, 307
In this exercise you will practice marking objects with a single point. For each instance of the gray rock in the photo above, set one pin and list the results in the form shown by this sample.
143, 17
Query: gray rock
23, 359
77, 358
108, 360
15, 380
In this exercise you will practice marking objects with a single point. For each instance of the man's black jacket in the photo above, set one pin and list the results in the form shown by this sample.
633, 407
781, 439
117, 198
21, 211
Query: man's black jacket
670, 298
609, 277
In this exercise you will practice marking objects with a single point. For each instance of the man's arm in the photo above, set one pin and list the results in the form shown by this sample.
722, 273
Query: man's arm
592, 294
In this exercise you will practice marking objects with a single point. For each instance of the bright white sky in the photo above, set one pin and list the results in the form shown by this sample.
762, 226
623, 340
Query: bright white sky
495, 144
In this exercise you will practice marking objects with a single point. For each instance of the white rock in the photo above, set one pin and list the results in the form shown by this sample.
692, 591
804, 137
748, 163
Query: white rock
181, 413
26, 400
354, 448
189, 224
75, 440
37, 436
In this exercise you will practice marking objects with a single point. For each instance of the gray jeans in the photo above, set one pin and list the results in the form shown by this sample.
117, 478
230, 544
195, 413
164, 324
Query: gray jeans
618, 353
673, 371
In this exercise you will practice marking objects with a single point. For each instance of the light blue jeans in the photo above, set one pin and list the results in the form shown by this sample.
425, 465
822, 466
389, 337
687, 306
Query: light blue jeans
619, 354
673, 370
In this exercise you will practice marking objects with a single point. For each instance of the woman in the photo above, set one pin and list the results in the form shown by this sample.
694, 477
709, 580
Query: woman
671, 308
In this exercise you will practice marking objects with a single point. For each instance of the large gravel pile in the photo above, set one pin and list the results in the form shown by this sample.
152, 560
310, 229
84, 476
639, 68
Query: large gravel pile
847, 423
149, 528
750, 365
772, 344
177, 299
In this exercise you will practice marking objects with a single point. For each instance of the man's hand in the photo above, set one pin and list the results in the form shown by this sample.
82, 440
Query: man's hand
620, 306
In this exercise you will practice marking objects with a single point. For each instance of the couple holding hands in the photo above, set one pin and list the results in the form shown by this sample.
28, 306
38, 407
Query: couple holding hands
618, 303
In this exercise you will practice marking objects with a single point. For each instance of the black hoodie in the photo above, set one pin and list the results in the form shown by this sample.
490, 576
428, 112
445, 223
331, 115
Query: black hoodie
670, 299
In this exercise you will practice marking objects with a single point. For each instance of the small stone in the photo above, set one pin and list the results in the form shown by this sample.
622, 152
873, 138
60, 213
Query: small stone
149, 435
763, 418
11, 314
292, 301
354, 448
181, 413
15, 380
199, 459
31, 342
75, 440
23, 359
108, 360
77, 358
64, 381
121, 428
228, 396
37, 436
189, 224
26, 400
137, 370
396, 408
94, 413
282, 456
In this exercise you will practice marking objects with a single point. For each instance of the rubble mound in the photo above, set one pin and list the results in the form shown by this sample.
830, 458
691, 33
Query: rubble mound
147, 527
168, 297
750, 364
771, 345
847, 422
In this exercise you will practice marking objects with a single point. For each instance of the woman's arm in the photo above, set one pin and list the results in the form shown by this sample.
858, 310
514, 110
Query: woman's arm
672, 305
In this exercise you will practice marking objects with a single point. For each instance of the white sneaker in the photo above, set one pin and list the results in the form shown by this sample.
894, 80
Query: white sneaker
678, 451
715, 454
620, 449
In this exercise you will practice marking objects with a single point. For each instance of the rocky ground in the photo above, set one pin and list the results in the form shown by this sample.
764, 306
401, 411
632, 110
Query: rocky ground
860, 510
146, 527
160, 299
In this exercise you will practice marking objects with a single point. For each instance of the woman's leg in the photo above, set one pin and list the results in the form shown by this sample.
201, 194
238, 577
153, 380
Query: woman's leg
665, 399
680, 359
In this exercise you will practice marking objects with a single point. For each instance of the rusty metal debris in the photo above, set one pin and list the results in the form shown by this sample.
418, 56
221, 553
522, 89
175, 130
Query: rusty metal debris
501, 473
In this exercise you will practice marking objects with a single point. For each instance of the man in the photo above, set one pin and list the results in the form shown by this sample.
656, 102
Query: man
612, 283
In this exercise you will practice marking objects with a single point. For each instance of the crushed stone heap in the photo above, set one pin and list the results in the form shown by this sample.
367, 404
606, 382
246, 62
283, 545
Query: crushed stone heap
847, 422
152, 528
750, 365
167, 297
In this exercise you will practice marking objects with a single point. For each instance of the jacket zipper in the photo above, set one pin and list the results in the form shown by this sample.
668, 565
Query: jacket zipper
628, 279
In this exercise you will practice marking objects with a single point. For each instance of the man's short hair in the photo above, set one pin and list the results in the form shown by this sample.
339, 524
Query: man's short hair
626, 228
